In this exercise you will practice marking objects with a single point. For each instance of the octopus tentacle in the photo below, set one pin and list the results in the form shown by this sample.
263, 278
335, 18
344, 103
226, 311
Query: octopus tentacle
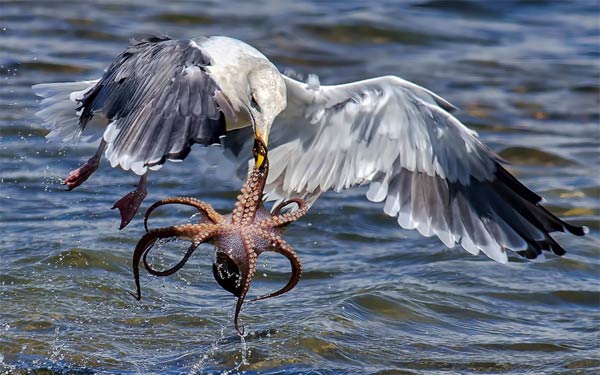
250, 197
148, 240
299, 201
283, 248
284, 219
248, 244
236, 237
205, 232
205, 209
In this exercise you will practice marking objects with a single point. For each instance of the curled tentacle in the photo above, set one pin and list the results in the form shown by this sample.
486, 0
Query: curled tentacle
246, 280
205, 232
205, 209
282, 220
173, 269
148, 240
286, 250
299, 201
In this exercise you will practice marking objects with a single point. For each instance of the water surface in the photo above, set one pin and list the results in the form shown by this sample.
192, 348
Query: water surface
374, 299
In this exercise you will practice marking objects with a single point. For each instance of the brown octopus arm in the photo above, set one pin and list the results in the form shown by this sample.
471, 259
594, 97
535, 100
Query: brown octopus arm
283, 248
203, 233
278, 220
250, 198
149, 239
246, 280
205, 209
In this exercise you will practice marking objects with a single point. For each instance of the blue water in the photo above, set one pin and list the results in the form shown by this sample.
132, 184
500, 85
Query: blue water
374, 298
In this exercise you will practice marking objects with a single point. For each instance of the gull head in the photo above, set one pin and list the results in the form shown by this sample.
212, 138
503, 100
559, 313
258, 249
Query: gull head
266, 99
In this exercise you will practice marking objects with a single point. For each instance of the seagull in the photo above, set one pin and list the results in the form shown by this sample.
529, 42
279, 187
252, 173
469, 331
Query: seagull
161, 96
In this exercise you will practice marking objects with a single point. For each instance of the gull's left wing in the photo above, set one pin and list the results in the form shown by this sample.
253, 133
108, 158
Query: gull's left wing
432, 172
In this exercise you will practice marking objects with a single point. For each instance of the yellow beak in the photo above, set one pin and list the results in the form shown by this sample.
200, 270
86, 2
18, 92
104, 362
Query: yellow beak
260, 159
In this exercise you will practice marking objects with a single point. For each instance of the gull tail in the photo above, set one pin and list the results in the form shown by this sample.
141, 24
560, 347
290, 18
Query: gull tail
58, 108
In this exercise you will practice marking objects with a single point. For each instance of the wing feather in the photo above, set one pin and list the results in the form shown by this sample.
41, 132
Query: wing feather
159, 101
430, 171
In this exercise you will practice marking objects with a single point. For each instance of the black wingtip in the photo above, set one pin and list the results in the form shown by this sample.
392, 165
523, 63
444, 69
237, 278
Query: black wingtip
556, 248
147, 38
577, 230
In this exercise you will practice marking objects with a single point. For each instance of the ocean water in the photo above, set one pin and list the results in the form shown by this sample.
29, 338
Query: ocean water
374, 298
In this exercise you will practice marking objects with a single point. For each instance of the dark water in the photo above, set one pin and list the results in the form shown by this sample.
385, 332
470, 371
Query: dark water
374, 299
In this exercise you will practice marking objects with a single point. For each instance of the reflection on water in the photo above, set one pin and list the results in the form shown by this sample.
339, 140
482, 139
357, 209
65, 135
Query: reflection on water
374, 298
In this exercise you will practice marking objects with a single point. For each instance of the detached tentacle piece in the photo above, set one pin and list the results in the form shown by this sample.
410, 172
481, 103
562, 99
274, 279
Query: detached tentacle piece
205, 209
208, 232
280, 246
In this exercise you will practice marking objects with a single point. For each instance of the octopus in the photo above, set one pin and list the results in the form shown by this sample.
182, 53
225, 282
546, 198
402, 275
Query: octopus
239, 237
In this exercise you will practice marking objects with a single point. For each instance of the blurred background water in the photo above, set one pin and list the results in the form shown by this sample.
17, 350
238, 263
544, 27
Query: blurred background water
374, 299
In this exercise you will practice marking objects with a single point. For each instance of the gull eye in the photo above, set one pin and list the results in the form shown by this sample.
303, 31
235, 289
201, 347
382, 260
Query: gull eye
254, 103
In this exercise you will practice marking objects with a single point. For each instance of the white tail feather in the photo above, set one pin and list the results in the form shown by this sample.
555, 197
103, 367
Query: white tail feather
58, 109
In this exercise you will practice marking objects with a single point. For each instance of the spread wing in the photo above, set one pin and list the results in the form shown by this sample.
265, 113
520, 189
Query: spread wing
431, 171
159, 101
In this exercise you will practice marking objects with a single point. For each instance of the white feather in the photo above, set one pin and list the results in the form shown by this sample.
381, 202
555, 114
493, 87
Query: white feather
58, 109
337, 137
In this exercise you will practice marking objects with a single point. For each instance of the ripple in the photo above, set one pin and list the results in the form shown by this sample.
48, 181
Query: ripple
323, 348
583, 364
527, 347
574, 211
391, 309
12, 280
533, 156
587, 89
312, 63
33, 323
374, 298
366, 34
85, 259
184, 18
579, 297
593, 191
574, 297
52, 67
96, 35
18, 131
463, 7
